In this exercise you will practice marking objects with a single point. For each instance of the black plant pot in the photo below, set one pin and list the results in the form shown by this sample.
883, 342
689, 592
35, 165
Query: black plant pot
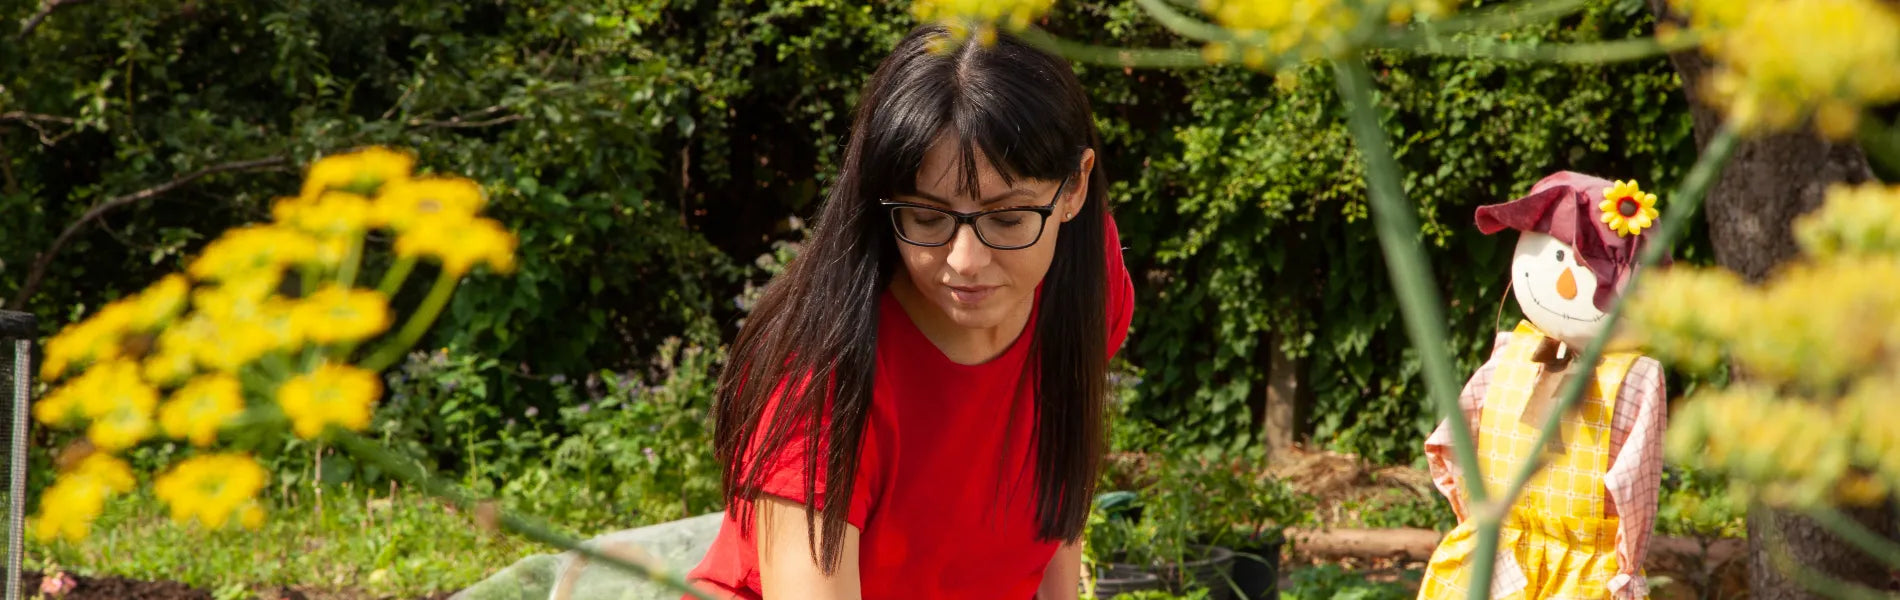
1113, 580
1212, 571
1257, 568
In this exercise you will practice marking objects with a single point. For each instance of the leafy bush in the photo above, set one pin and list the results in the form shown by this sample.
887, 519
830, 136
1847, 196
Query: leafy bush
1330, 582
639, 453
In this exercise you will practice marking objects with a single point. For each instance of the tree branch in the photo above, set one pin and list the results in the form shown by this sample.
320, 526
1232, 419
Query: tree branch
471, 120
34, 121
45, 259
46, 10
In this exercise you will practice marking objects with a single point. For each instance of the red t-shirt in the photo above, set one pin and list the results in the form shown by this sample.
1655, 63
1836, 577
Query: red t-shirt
945, 498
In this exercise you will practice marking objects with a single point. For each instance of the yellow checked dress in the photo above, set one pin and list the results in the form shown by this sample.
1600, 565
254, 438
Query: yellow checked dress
1557, 542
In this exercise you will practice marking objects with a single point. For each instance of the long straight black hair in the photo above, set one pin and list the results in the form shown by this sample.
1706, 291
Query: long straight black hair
811, 341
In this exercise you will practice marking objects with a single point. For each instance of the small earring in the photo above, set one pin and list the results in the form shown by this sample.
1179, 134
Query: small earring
1068, 216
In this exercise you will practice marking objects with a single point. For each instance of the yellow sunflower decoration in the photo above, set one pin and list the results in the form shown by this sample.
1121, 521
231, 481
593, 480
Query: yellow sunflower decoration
1627, 209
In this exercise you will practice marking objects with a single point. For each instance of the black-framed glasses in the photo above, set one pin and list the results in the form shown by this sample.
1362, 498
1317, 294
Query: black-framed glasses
1002, 229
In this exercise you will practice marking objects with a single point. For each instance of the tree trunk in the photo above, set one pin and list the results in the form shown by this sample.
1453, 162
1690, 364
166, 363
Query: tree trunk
1282, 407
1751, 211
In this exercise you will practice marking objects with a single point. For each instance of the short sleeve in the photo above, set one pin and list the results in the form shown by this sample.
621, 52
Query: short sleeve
1121, 288
784, 474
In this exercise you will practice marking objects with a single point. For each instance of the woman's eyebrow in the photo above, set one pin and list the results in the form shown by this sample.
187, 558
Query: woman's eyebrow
1015, 193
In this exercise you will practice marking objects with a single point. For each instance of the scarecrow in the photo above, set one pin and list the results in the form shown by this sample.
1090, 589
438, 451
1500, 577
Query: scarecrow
1581, 527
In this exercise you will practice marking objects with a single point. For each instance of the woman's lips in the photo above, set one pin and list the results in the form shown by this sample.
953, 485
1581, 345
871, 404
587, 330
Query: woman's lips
971, 294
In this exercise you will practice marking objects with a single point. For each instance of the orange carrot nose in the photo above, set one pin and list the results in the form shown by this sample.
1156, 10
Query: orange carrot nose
1567, 285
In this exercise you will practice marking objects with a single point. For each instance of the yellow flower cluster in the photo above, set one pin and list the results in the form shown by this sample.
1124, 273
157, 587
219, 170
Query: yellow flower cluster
433, 217
265, 314
211, 489
68, 507
1854, 220
1267, 29
1788, 451
982, 14
1819, 343
1782, 63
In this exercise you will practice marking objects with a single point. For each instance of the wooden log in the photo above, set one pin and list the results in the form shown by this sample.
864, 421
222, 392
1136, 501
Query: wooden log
1412, 544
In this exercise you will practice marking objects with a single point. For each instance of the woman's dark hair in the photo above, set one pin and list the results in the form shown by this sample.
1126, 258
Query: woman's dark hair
814, 333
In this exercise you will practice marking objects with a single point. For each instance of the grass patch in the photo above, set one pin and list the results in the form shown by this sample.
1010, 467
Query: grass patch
356, 545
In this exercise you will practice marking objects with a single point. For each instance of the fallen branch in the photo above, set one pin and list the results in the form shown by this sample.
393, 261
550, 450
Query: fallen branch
45, 259
46, 10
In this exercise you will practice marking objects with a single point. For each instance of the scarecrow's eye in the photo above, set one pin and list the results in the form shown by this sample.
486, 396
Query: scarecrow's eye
1560, 255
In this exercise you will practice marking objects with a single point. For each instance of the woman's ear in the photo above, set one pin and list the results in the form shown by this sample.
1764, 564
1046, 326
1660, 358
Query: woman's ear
1079, 187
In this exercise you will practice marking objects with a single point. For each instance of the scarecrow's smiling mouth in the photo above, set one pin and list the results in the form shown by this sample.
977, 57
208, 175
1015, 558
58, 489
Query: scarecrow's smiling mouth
1532, 294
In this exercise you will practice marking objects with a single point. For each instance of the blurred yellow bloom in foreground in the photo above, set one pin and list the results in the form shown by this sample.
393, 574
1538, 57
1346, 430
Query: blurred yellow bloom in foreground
402, 205
211, 489
356, 171
68, 507
461, 245
1012, 14
1784, 63
1819, 342
337, 314
329, 395
196, 411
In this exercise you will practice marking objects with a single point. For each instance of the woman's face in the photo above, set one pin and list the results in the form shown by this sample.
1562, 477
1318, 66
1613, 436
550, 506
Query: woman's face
974, 285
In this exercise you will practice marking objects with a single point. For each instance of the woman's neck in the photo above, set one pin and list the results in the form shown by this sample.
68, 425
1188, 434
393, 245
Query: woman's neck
962, 345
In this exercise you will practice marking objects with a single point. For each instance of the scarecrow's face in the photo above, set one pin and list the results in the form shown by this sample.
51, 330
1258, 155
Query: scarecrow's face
1555, 289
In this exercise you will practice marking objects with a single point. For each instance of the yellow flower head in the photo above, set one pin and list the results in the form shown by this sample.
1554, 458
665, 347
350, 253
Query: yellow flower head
331, 214
159, 303
197, 410
211, 489
97, 338
359, 172
110, 395
405, 204
460, 245
338, 314
76, 498
331, 394
1013, 14
239, 322
1627, 209
172, 360
252, 251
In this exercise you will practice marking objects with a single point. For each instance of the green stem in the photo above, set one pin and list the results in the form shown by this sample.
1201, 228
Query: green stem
310, 277
1411, 275
1887, 551
352, 262
1683, 207
1419, 300
418, 323
398, 273
1496, 18
1586, 53
467, 502
1143, 58
1183, 25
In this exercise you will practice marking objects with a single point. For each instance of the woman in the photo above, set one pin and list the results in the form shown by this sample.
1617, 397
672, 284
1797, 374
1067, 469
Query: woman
915, 407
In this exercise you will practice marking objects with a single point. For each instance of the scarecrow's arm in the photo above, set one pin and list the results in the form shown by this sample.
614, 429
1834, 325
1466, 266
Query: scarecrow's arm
1636, 474
1439, 453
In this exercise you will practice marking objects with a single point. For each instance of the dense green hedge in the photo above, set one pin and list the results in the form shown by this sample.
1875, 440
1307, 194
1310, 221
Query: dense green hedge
648, 151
